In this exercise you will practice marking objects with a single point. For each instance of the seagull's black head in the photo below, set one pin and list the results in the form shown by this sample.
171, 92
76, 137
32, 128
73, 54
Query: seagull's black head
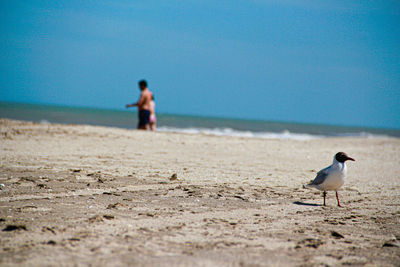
342, 157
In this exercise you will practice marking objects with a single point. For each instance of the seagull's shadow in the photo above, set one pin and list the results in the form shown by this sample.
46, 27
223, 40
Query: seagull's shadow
306, 204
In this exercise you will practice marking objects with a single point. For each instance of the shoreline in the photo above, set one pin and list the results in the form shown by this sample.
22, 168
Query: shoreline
220, 126
229, 132
102, 195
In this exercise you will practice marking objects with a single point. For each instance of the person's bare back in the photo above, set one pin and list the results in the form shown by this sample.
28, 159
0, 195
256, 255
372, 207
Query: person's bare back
145, 99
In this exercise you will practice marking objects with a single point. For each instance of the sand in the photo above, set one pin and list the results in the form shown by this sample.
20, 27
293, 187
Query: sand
77, 195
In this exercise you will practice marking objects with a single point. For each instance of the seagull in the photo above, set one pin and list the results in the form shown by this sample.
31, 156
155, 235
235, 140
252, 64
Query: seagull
332, 177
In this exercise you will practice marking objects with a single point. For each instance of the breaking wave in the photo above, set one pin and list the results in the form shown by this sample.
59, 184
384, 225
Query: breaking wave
231, 132
266, 135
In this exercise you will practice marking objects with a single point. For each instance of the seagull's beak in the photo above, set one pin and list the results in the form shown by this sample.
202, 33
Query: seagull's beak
348, 158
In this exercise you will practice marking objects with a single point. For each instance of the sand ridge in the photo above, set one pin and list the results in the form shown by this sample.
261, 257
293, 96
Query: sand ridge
79, 195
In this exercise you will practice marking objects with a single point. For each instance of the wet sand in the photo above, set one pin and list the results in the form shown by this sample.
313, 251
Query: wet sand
78, 195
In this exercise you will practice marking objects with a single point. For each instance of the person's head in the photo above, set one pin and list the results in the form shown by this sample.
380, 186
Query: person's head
142, 84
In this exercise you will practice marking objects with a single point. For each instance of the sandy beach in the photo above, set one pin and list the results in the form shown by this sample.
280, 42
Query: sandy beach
78, 195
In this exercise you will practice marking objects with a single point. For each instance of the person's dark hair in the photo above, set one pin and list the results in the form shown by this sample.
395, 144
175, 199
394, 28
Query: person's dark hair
142, 83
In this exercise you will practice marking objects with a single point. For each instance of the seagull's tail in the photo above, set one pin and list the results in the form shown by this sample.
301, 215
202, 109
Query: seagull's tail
308, 186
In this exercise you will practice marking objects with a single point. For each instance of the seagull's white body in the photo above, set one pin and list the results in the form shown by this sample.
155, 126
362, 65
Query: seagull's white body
331, 178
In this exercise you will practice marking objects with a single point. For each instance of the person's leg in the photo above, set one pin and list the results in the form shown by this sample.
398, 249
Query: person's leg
144, 119
152, 126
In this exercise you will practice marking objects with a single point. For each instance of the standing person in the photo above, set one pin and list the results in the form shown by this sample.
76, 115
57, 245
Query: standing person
153, 118
143, 106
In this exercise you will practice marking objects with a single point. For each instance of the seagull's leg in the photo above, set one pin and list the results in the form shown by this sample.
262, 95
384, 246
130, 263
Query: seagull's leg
324, 194
337, 197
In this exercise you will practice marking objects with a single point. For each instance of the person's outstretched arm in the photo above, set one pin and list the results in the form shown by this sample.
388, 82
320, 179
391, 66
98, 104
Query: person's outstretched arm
131, 105
140, 102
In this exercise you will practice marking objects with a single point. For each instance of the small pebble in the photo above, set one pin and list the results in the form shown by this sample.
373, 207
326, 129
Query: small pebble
173, 177
336, 234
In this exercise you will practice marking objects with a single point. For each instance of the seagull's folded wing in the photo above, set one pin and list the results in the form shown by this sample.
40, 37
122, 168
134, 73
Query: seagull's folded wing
321, 176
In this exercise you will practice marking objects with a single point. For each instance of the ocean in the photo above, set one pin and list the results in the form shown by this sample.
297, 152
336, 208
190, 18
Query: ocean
186, 124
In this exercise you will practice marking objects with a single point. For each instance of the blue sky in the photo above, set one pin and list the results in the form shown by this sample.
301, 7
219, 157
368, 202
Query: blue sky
333, 62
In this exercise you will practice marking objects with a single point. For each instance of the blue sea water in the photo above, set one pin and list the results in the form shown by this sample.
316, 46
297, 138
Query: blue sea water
186, 124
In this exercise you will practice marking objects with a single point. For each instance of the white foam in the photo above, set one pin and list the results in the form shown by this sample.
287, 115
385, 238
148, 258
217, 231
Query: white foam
363, 134
231, 132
